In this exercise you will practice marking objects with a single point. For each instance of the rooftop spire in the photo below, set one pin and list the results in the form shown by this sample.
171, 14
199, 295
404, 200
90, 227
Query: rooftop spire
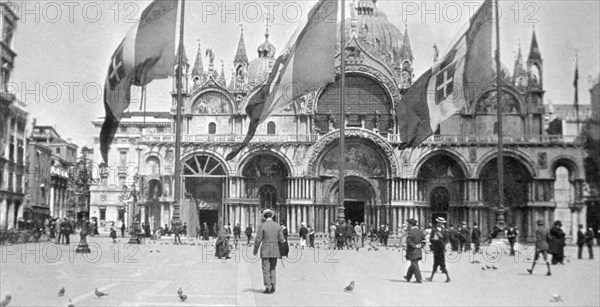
222, 79
406, 50
241, 57
534, 52
518, 63
198, 64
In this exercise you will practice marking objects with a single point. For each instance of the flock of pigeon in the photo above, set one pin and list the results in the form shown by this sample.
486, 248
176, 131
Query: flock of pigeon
324, 244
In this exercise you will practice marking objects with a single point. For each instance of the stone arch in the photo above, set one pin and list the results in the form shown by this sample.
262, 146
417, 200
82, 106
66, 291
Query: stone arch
212, 155
253, 154
566, 162
152, 165
353, 181
517, 182
322, 147
458, 159
529, 165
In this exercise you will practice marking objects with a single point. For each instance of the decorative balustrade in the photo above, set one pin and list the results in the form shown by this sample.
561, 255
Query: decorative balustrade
493, 139
228, 138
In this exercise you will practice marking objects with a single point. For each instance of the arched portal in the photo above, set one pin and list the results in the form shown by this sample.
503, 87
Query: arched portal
359, 197
265, 179
204, 180
517, 182
441, 179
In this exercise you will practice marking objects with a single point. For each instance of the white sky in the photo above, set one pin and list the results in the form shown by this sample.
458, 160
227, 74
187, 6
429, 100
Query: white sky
67, 45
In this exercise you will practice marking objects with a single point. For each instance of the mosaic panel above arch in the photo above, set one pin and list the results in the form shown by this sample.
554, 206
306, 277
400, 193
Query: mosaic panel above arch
376, 145
212, 103
359, 160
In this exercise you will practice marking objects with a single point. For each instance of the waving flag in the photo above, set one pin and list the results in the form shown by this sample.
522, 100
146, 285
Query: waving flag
454, 80
306, 65
146, 53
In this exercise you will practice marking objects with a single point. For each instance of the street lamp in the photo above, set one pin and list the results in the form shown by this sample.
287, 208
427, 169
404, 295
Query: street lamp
127, 194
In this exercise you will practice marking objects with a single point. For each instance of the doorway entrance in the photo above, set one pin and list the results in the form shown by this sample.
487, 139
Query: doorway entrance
210, 217
354, 211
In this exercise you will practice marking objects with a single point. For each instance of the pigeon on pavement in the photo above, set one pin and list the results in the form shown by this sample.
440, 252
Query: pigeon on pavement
71, 304
61, 292
350, 287
99, 294
556, 298
482, 268
183, 297
5, 301
494, 267
180, 291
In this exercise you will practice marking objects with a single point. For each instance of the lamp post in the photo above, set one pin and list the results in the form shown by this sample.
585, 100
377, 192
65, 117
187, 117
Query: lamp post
83, 182
127, 194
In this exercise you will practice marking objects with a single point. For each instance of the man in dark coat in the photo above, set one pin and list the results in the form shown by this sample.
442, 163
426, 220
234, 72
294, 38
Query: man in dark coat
66, 229
512, 234
589, 241
541, 246
476, 237
249, 233
303, 232
557, 243
222, 244
438, 247
123, 229
237, 232
340, 234
464, 237
414, 241
453, 238
268, 238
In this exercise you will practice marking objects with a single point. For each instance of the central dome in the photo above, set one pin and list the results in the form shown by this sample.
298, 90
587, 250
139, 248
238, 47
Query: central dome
372, 24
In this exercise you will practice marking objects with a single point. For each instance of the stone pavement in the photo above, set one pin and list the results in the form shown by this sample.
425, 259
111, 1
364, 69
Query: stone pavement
150, 274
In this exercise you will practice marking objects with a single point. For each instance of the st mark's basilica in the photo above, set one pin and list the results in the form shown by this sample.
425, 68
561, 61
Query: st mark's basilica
292, 163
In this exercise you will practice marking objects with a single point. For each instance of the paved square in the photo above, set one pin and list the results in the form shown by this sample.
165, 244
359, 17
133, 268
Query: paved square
150, 274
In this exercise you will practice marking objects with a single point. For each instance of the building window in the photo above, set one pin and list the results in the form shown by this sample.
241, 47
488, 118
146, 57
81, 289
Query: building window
102, 213
123, 158
58, 151
123, 129
122, 215
212, 128
160, 129
271, 128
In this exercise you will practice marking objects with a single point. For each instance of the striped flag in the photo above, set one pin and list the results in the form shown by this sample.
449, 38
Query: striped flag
454, 80
146, 53
306, 65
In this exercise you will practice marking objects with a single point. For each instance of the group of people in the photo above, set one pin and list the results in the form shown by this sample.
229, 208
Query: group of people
343, 234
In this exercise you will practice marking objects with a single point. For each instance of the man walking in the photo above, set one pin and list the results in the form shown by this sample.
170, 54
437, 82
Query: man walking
249, 233
465, 237
359, 234
512, 234
123, 229
438, 247
586, 238
237, 232
302, 233
268, 237
476, 237
589, 241
414, 241
541, 246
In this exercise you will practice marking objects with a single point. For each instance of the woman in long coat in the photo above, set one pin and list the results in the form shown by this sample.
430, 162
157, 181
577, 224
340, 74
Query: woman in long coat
222, 244
557, 243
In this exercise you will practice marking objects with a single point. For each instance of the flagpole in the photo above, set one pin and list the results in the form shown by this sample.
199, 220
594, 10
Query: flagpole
500, 212
576, 85
177, 194
342, 122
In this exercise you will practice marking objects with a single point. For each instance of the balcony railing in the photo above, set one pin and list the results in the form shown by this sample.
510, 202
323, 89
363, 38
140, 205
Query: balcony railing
493, 139
228, 138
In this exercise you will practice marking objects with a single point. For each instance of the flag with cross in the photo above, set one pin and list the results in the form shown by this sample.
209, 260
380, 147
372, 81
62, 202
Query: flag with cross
146, 53
447, 87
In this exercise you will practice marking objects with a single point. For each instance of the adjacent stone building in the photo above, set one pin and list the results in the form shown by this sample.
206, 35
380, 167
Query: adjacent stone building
291, 164
13, 122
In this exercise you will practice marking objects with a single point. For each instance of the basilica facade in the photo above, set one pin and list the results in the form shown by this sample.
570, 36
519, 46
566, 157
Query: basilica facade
291, 165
